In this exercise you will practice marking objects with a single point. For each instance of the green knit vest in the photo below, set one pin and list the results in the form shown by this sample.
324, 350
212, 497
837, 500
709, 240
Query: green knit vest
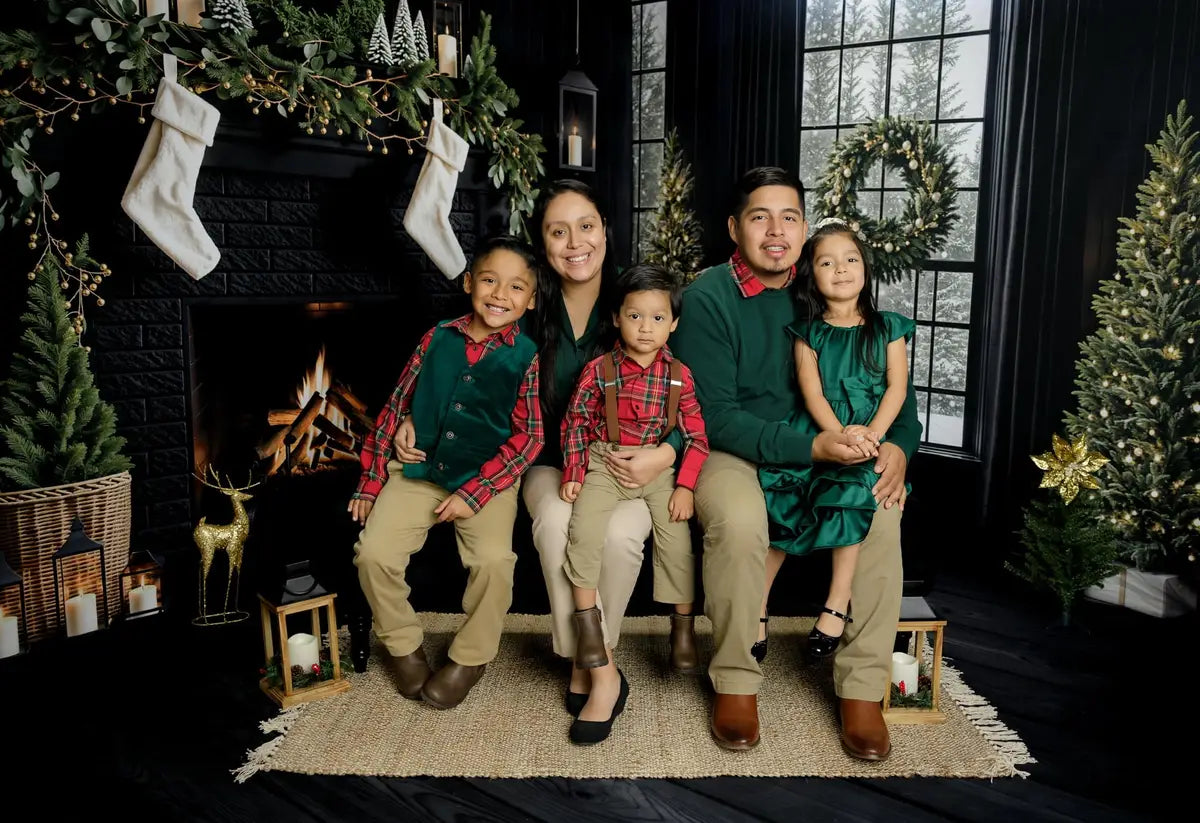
463, 413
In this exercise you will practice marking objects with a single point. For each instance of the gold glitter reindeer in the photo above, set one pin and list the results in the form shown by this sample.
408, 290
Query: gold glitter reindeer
230, 538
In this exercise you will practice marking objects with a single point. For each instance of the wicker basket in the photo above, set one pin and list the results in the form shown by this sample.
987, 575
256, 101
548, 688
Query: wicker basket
35, 522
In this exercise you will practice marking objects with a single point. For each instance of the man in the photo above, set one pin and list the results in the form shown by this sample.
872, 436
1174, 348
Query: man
732, 332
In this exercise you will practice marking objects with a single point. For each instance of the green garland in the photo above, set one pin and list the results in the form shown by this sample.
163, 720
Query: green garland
898, 245
99, 54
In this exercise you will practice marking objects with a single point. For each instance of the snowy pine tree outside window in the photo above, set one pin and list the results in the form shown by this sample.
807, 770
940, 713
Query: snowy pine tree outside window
649, 116
866, 59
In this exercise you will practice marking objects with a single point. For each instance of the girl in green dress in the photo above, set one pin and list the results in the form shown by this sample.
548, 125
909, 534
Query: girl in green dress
852, 368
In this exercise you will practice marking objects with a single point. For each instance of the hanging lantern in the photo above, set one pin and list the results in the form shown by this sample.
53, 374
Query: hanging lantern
142, 585
13, 632
577, 115
80, 589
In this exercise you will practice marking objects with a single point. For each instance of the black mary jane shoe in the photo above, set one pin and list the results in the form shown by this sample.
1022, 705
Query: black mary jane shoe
821, 645
590, 732
575, 702
759, 650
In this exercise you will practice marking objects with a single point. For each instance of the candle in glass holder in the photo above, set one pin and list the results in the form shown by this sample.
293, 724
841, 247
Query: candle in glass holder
189, 11
904, 672
574, 147
143, 598
448, 54
81, 614
10, 638
303, 651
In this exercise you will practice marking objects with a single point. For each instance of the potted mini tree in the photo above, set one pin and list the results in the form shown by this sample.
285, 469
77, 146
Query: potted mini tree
60, 456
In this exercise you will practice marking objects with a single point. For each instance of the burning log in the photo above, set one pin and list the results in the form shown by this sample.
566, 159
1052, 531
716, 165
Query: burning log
352, 412
272, 444
303, 420
334, 434
343, 391
282, 417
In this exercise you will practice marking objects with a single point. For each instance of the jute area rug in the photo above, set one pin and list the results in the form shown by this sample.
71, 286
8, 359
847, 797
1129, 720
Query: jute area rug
513, 723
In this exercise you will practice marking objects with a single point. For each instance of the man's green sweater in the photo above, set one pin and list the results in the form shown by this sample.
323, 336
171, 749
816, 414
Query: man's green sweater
740, 353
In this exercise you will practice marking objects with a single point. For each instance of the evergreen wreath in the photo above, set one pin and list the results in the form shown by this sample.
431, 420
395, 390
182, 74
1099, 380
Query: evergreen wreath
898, 245
93, 55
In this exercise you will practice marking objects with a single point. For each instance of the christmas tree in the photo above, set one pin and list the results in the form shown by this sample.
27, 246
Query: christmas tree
380, 48
57, 429
231, 14
404, 41
675, 232
1138, 379
422, 36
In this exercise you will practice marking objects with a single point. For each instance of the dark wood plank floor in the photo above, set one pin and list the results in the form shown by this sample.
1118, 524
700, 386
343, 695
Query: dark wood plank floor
148, 723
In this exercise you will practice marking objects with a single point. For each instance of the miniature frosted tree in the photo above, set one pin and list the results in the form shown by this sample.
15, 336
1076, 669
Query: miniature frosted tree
422, 36
379, 50
232, 15
404, 41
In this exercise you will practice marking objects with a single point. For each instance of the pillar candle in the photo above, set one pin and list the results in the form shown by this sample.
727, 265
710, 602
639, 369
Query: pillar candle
189, 11
143, 598
154, 7
574, 148
303, 651
10, 638
904, 671
448, 55
81, 614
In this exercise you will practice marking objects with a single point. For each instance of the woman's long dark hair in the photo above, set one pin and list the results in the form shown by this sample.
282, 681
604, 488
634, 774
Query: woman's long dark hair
813, 306
547, 326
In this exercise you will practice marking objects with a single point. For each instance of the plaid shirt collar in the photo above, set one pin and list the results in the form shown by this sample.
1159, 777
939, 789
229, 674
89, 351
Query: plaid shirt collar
662, 356
507, 335
747, 282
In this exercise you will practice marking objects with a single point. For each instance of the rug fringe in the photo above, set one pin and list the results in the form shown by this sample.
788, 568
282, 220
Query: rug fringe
258, 757
983, 717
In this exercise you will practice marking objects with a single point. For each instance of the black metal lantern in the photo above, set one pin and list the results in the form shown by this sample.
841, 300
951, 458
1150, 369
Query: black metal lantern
80, 588
142, 585
13, 631
447, 39
577, 121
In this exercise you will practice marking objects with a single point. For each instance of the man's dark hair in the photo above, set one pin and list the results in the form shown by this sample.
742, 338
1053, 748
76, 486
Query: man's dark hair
759, 177
509, 243
648, 277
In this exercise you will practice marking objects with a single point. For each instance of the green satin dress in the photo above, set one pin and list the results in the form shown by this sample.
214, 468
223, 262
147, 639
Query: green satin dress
826, 506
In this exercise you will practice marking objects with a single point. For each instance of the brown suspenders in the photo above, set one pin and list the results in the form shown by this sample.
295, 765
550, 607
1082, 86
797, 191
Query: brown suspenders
610, 397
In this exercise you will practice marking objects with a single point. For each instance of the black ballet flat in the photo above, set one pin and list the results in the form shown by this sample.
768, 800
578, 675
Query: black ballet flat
575, 702
759, 650
821, 645
590, 732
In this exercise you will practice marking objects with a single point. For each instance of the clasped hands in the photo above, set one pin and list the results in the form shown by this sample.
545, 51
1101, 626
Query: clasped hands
857, 444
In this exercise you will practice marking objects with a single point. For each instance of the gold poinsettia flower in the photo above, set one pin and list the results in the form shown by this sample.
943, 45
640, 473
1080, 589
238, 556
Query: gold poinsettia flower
1069, 467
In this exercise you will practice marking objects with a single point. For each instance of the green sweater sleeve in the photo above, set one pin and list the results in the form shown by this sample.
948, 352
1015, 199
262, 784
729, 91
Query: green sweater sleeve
704, 340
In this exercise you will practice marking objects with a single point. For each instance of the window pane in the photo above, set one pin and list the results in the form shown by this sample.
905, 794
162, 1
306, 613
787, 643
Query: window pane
814, 155
868, 203
925, 292
918, 17
649, 174
961, 243
637, 41
968, 15
823, 23
964, 76
637, 233
647, 221
946, 420
915, 79
819, 106
637, 176
653, 104
864, 81
897, 297
950, 359
923, 412
653, 36
965, 142
921, 347
954, 297
637, 103
867, 20
893, 203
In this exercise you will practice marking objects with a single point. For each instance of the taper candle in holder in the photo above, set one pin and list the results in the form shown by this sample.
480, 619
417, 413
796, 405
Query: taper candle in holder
80, 588
447, 25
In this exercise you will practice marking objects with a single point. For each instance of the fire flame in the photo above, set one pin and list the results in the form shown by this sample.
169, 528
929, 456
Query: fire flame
318, 380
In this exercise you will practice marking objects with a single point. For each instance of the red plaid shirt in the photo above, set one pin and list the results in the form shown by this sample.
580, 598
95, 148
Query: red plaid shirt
747, 281
641, 414
497, 474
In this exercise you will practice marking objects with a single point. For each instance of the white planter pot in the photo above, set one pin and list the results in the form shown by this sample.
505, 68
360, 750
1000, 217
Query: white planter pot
1153, 593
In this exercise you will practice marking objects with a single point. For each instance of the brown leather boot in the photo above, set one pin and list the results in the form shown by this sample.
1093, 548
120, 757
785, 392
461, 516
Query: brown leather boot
590, 651
410, 671
683, 643
864, 732
447, 688
734, 721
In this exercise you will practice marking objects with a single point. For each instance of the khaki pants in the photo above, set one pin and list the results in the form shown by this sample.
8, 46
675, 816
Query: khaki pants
674, 564
624, 544
731, 509
396, 530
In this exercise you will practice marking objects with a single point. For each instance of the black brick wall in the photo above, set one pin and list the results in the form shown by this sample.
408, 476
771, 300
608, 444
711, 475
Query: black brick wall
282, 237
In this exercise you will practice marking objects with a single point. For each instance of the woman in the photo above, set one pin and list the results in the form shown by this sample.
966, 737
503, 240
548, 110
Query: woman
572, 327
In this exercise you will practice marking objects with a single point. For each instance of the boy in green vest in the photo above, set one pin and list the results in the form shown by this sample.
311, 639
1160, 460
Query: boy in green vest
464, 423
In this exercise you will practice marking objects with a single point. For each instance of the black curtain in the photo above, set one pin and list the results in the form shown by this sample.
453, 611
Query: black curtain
733, 75
1080, 88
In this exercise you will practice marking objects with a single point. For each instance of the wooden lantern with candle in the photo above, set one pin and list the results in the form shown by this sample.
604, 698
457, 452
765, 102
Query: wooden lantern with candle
80, 587
142, 586
922, 703
14, 634
301, 649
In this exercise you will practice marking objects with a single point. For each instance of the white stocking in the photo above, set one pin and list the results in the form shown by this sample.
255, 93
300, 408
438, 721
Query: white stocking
427, 218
